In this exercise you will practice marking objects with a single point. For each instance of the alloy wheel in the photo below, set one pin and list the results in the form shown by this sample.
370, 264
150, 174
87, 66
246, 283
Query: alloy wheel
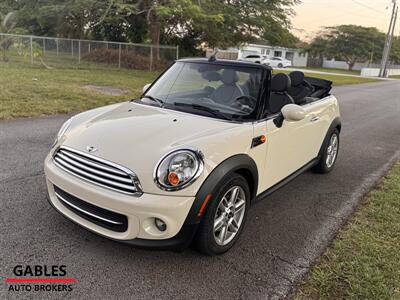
229, 215
332, 151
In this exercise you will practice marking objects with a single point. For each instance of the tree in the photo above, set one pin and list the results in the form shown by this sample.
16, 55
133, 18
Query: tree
395, 53
277, 35
8, 25
209, 23
348, 42
245, 21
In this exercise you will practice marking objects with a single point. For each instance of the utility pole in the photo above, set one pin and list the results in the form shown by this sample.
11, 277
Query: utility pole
385, 71
389, 39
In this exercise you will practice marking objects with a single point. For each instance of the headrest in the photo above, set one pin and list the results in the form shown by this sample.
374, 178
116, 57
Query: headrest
211, 76
280, 83
297, 78
229, 77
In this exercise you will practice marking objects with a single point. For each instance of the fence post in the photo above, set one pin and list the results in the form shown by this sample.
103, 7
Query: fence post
72, 48
31, 49
119, 56
151, 58
79, 51
44, 47
89, 48
57, 45
177, 52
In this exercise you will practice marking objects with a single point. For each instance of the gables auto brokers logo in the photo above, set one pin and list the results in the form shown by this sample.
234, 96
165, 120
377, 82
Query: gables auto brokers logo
40, 278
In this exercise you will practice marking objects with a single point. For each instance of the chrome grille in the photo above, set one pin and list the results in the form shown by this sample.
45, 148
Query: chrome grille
97, 170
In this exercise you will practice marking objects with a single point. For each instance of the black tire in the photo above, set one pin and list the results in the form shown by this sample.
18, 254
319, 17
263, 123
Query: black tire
204, 240
257, 62
323, 167
280, 66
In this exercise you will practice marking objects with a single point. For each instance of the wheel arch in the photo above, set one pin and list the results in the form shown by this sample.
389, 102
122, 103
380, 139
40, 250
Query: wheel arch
241, 164
336, 124
339, 127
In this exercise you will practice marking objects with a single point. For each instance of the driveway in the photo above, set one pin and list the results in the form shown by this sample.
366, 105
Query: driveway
285, 233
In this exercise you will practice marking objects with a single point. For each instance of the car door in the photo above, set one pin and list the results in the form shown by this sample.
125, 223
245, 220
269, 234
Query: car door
293, 145
319, 119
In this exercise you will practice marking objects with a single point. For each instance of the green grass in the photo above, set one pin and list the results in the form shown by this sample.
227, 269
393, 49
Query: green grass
337, 79
395, 76
33, 90
332, 70
363, 262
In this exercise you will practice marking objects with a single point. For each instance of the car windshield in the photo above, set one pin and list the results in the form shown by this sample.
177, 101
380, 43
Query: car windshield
221, 91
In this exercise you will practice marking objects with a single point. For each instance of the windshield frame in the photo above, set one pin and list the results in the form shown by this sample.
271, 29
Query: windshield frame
253, 116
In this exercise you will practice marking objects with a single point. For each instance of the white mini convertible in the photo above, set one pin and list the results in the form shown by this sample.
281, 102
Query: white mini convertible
182, 164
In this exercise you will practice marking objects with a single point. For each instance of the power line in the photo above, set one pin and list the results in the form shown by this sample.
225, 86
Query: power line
336, 17
368, 7
354, 1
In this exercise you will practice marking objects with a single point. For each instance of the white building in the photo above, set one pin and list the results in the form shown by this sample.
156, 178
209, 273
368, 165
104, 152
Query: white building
298, 58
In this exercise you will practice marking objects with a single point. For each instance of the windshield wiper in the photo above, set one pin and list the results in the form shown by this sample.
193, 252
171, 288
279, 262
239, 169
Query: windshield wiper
214, 112
159, 101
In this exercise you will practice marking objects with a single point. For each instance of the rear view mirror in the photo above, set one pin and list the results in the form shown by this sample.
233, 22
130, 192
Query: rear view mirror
146, 87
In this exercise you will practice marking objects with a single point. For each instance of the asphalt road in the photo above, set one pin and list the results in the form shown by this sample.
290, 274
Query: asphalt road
284, 235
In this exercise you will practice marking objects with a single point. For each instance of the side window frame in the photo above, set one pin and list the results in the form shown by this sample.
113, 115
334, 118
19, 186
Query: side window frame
264, 96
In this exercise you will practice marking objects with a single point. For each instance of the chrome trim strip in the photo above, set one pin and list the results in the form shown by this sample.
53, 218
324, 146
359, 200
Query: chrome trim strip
97, 172
93, 177
90, 163
59, 197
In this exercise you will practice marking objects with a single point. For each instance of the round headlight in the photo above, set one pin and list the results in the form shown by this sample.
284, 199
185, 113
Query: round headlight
178, 169
63, 130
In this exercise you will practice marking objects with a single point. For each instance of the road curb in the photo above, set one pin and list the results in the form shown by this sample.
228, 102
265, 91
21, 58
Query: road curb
328, 233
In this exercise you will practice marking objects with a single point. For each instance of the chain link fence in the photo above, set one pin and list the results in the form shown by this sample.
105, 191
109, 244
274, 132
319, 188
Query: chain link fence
60, 52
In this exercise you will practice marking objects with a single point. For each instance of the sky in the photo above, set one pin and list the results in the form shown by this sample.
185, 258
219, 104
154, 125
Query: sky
311, 15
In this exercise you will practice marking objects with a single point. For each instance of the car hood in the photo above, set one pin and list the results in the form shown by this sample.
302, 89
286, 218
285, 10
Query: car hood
136, 136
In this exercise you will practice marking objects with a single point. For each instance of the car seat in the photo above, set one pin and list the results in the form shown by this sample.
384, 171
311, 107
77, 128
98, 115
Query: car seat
229, 90
279, 96
299, 88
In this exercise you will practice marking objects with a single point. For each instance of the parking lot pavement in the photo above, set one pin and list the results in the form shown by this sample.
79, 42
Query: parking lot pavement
285, 233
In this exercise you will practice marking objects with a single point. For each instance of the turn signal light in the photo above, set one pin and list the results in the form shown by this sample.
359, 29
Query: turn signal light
203, 206
258, 141
173, 179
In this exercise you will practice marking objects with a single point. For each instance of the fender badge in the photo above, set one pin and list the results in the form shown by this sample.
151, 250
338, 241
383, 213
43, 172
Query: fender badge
91, 149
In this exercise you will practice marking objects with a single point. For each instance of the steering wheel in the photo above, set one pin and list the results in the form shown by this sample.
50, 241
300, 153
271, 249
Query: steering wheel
245, 103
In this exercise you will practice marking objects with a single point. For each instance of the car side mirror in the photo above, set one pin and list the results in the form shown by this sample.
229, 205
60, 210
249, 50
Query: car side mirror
291, 113
146, 87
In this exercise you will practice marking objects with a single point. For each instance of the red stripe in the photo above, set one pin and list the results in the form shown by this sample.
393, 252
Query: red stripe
48, 280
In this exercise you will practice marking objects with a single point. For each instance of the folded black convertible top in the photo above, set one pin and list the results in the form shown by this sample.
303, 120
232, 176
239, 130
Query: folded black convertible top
322, 86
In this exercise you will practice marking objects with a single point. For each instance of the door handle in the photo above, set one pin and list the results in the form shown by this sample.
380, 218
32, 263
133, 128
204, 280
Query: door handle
314, 119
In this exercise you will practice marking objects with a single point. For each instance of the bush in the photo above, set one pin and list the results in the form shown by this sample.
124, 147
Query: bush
130, 60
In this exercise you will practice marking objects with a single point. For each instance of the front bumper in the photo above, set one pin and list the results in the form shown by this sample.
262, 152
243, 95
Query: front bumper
140, 211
